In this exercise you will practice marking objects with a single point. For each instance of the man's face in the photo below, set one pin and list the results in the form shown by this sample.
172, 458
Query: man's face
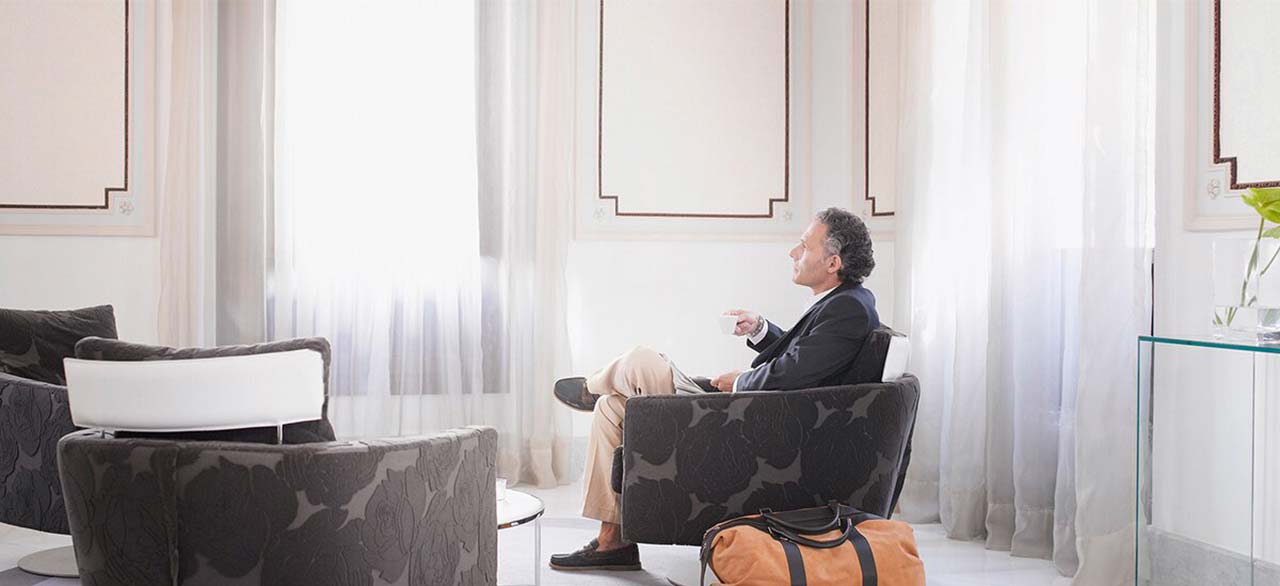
811, 265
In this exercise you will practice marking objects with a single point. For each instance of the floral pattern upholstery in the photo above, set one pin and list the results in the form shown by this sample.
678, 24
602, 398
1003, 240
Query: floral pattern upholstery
690, 462
33, 343
33, 408
33, 416
404, 511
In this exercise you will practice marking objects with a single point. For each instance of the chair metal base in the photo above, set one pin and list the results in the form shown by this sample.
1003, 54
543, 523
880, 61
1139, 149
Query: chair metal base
59, 562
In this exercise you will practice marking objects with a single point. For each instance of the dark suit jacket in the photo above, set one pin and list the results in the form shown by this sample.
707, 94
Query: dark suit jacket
820, 349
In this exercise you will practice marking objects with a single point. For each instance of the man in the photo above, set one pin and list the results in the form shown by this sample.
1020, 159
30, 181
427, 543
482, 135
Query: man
832, 259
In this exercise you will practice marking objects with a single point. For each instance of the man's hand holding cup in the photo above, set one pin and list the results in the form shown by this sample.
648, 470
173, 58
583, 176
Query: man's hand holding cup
746, 324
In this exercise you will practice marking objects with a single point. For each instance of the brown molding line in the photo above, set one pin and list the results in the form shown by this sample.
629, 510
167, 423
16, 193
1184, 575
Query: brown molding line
106, 191
786, 150
866, 117
1217, 108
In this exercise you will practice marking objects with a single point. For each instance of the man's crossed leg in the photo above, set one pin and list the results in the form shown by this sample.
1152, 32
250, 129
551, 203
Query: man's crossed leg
637, 372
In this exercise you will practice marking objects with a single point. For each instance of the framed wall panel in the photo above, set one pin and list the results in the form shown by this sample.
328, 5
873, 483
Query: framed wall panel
698, 92
76, 107
875, 40
688, 124
1239, 131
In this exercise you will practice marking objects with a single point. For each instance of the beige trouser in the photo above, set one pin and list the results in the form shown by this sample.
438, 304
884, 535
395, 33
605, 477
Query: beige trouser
639, 371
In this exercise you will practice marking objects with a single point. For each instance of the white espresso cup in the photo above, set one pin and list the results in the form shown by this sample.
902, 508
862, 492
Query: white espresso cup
728, 323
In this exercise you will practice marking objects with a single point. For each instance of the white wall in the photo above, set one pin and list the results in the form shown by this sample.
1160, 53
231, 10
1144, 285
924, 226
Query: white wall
64, 272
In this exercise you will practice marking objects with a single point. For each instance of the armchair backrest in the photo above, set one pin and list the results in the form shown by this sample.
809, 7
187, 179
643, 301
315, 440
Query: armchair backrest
882, 358
201, 394
34, 343
294, 433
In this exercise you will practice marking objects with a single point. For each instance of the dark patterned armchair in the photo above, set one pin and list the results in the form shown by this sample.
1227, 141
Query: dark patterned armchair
407, 511
33, 408
233, 506
33, 417
691, 461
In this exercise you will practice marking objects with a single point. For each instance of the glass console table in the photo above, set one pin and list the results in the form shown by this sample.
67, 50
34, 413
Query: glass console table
1208, 476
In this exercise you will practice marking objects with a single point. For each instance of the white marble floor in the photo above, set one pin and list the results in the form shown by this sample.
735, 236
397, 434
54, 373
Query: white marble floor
947, 562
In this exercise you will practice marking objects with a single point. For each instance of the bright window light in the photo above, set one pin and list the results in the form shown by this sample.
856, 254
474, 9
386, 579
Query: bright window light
375, 140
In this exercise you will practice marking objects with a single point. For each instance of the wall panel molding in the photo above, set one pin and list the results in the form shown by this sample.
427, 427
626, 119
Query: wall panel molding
867, 192
1231, 161
1236, 79
656, 25
76, 117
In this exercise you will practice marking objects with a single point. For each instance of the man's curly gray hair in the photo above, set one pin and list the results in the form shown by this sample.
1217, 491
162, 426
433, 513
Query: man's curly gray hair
847, 237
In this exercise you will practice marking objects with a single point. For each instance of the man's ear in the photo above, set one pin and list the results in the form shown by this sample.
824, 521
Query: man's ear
835, 264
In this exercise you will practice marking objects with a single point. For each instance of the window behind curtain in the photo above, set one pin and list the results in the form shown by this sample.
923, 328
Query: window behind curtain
376, 232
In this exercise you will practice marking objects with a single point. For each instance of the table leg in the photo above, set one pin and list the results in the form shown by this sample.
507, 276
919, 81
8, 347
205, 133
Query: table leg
537, 552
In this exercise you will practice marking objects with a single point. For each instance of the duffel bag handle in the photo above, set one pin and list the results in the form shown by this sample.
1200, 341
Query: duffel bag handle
783, 533
774, 520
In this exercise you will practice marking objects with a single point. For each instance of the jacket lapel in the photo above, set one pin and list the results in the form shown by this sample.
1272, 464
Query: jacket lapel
802, 326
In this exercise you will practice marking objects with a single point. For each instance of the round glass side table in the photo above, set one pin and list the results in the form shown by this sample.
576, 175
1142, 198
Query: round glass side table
519, 508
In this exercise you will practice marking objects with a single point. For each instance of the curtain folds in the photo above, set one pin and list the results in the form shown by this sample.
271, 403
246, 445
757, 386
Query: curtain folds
525, 122
246, 136
183, 148
1025, 229
419, 211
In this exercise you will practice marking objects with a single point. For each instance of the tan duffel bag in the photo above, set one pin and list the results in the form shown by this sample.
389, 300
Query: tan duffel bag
821, 546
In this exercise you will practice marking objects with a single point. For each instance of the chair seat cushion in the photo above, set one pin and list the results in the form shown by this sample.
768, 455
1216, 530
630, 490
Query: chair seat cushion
33, 343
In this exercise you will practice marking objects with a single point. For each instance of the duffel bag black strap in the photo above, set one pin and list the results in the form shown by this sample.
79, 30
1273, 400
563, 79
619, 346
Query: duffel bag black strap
775, 519
795, 563
865, 558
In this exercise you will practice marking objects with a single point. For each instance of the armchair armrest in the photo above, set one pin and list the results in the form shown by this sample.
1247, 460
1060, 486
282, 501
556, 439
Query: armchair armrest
692, 461
33, 417
142, 510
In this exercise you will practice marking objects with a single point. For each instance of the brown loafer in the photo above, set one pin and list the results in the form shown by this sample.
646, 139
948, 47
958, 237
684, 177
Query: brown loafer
625, 558
573, 392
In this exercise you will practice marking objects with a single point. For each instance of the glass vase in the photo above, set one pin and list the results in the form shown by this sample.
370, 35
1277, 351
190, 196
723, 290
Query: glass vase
1246, 289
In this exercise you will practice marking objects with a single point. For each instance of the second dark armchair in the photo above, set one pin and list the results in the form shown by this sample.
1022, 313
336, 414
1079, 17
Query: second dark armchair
690, 462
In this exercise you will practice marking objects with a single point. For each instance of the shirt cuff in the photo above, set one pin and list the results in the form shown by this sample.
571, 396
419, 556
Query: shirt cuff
738, 378
764, 331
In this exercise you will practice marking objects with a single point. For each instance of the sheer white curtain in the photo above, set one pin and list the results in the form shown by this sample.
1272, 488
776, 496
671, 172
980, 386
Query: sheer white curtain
246, 83
184, 144
380, 240
1026, 231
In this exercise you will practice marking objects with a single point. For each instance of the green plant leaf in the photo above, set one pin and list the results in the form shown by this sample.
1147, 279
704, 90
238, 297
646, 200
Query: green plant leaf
1272, 233
1265, 201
